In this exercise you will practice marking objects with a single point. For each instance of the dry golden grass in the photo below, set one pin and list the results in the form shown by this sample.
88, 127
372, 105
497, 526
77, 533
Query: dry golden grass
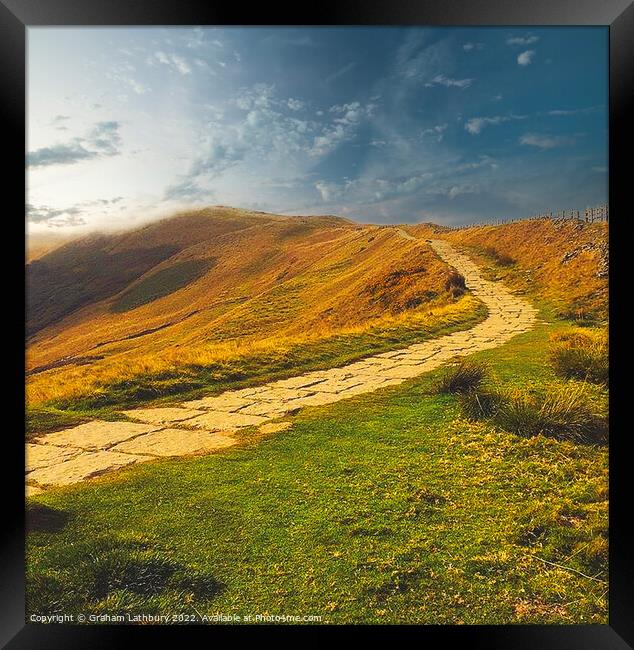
272, 283
72, 381
559, 261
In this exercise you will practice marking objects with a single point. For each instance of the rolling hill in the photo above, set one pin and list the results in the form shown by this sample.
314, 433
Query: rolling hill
207, 285
561, 261
196, 292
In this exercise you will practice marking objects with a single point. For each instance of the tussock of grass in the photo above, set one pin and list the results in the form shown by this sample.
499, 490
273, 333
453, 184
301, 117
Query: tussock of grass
482, 403
567, 412
581, 355
462, 377
455, 284
502, 259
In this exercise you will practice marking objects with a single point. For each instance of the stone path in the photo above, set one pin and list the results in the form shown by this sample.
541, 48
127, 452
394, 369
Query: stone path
208, 424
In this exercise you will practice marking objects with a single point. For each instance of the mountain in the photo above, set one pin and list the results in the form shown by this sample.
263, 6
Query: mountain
201, 280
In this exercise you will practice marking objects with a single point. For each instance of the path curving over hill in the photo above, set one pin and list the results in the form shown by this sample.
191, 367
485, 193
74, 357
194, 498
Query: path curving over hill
208, 424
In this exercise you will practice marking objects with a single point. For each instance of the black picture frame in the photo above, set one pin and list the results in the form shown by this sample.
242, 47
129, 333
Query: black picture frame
17, 15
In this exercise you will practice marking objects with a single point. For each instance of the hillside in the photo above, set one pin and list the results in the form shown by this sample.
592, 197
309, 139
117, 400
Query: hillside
209, 284
40, 243
562, 262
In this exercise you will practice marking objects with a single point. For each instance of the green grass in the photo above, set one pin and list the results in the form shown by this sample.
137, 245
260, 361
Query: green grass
192, 382
461, 377
160, 284
385, 508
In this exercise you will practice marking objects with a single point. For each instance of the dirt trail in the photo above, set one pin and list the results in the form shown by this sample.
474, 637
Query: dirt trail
208, 424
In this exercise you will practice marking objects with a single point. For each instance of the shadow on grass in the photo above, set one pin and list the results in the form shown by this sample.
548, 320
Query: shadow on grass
41, 518
113, 576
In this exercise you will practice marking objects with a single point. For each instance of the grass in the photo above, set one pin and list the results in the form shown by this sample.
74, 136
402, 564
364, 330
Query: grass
561, 262
259, 366
462, 377
578, 354
565, 413
159, 284
386, 508
502, 259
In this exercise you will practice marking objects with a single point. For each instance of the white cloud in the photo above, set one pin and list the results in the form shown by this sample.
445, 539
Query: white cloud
103, 140
342, 128
327, 191
438, 131
196, 39
522, 40
545, 141
123, 73
417, 61
260, 95
468, 47
295, 104
477, 124
174, 61
525, 58
441, 80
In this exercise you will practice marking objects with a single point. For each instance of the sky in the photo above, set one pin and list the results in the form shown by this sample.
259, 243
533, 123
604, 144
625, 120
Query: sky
380, 125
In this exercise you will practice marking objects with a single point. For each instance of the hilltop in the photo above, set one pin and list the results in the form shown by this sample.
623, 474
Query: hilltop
204, 288
210, 284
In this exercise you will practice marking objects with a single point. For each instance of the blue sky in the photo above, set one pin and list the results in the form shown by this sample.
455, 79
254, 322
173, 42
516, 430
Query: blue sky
382, 125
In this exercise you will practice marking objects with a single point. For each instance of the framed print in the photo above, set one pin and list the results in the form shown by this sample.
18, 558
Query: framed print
317, 321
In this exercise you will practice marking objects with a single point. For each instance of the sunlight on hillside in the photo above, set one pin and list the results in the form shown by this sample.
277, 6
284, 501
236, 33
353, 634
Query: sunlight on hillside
254, 283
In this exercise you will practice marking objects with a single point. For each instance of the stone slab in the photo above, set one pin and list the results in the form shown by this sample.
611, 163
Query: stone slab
97, 434
224, 421
175, 442
44, 455
85, 466
164, 415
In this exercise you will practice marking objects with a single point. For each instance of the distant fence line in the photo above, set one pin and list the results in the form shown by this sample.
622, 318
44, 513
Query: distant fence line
589, 215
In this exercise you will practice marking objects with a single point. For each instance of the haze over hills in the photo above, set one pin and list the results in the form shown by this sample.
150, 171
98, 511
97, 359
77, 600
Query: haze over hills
39, 244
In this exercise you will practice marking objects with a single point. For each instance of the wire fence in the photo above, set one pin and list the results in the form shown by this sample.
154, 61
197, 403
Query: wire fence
589, 215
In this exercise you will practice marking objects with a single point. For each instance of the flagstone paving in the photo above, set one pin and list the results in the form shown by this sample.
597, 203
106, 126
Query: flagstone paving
207, 424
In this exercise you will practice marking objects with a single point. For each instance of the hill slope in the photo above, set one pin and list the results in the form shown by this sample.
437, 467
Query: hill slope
212, 283
562, 262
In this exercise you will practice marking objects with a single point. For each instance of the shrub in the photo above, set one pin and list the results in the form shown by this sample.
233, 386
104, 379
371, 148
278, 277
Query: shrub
481, 404
581, 355
455, 284
462, 377
564, 413
502, 259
